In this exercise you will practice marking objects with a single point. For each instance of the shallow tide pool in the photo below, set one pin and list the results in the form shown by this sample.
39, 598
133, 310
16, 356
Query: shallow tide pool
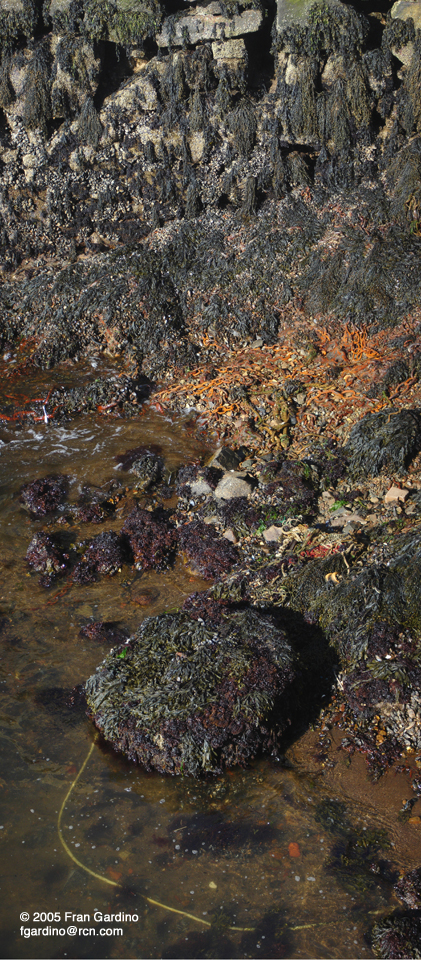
284, 859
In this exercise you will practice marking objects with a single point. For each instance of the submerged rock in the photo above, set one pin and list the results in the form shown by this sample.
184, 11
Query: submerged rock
44, 495
398, 937
183, 697
101, 632
151, 538
104, 555
148, 468
44, 555
408, 889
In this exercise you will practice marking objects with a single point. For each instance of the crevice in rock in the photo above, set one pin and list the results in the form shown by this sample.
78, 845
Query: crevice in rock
261, 62
116, 68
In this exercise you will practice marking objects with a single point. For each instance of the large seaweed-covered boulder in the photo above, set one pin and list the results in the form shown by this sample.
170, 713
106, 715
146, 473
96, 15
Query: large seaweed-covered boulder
182, 696
389, 439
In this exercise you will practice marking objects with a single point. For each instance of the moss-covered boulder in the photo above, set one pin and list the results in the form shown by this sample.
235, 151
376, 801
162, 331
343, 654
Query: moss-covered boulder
182, 696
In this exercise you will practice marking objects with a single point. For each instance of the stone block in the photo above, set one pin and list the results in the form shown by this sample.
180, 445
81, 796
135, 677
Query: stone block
207, 23
229, 50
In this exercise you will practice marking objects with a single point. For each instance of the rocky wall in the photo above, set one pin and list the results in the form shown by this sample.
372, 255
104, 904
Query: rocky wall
121, 118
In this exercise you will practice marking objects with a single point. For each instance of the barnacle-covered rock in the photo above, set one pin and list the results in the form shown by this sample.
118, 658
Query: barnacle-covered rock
205, 551
152, 539
185, 697
388, 439
398, 937
44, 495
105, 554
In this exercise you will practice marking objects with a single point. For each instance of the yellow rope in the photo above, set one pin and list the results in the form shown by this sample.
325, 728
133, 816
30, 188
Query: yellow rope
113, 883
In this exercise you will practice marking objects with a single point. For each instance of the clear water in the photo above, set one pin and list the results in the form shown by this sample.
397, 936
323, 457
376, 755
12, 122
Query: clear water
250, 846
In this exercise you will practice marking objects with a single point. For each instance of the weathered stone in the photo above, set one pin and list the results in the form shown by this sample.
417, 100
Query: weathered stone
229, 50
272, 534
207, 23
407, 9
231, 486
343, 516
230, 535
200, 487
395, 493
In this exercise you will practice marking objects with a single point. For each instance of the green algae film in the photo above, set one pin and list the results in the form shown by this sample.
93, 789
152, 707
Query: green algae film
307, 857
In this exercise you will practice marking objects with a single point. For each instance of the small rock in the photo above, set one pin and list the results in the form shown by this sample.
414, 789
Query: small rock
199, 487
230, 50
343, 516
272, 534
232, 486
226, 458
395, 493
230, 535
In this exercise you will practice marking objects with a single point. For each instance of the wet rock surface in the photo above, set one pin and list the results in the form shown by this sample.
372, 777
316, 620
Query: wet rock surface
43, 496
398, 937
105, 555
152, 540
183, 697
204, 550
45, 556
